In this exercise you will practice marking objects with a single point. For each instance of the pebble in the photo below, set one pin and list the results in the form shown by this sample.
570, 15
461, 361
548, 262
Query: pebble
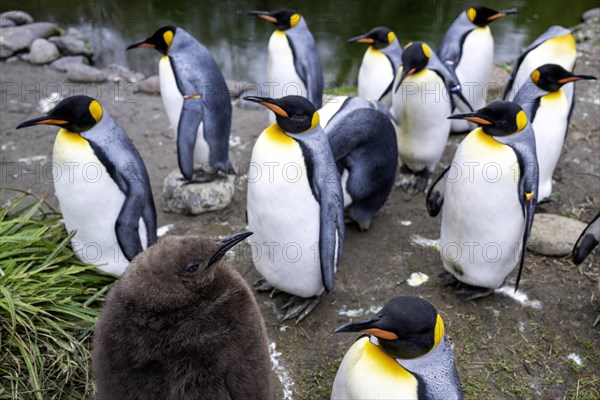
73, 45
554, 235
15, 17
63, 63
196, 198
19, 38
150, 85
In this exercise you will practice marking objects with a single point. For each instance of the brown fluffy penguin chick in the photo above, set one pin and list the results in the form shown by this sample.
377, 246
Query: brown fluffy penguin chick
181, 324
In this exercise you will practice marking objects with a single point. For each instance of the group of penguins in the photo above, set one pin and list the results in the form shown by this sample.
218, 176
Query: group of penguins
181, 324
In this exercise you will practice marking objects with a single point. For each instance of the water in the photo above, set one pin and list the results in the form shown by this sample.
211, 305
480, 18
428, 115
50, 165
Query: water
239, 42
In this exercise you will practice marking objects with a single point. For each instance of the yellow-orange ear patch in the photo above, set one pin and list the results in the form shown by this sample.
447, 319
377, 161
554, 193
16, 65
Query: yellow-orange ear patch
535, 76
521, 120
426, 50
315, 120
471, 14
168, 38
438, 334
294, 19
96, 110
391, 37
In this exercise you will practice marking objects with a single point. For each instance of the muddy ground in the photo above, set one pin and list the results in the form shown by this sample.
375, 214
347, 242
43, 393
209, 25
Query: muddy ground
504, 348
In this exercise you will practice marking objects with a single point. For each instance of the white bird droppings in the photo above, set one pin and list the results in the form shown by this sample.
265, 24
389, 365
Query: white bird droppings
433, 244
417, 279
519, 296
575, 358
281, 371
164, 229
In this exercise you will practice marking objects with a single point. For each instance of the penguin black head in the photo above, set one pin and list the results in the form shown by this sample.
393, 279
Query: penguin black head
483, 16
500, 118
178, 271
283, 19
161, 40
379, 37
295, 114
406, 327
414, 59
550, 77
75, 114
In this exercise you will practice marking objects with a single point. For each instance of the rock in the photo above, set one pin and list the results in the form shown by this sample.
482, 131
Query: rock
150, 85
16, 17
85, 74
196, 198
18, 38
5, 23
73, 45
118, 73
43, 52
591, 13
23, 57
554, 235
63, 63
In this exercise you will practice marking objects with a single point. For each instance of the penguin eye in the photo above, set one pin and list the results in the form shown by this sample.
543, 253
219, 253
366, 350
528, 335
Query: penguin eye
192, 268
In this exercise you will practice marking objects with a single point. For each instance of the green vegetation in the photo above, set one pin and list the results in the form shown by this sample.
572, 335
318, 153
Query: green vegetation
49, 301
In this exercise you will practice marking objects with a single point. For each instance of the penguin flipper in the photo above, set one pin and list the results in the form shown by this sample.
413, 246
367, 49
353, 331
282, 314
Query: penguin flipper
435, 197
587, 241
331, 235
529, 214
127, 224
189, 121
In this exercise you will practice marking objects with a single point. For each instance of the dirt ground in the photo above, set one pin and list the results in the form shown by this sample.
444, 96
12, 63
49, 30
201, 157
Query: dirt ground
505, 349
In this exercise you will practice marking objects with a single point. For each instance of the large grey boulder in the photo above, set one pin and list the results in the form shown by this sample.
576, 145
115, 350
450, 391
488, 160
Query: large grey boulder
43, 52
85, 74
591, 13
554, 235
196, 198
18, 38
73, 44
63, 63
15, 17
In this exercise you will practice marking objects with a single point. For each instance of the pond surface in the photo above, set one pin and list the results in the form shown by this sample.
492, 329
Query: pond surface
239, 42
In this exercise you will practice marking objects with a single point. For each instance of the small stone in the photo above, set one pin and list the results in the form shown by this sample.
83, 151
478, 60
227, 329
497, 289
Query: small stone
23, 57
18, 38
43, 52
150, 85
196, 198
591, 13
63, 63
16, 17
117, 73
5, 23
554, 235
71, 45
85, 74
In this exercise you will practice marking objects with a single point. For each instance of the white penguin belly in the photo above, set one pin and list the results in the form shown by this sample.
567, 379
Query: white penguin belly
344, 180
560, 50
482, 219
283, 80
330, 108
473, 72
422, 106
90, 202
284, 216
375, 75
366, 372
173, 102
550, 127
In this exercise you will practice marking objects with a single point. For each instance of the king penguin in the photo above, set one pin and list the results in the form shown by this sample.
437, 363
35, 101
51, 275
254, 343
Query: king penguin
295, 204
294, 66
467, 50
421, 105
363, 142
555, 46
379, 64
588, 240
182, 324
404, 354
547, 107
101, 184
494, 174
197, 102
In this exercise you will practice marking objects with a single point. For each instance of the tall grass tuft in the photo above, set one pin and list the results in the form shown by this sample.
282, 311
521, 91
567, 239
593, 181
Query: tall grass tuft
49, 301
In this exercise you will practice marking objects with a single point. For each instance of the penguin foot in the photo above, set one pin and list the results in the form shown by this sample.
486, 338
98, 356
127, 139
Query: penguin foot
299, 308
469, 292
202, 176
262, 286
448, 279
411, 181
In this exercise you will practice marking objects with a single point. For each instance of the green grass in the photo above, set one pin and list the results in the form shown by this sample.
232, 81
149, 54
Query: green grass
49, 301
341, 91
